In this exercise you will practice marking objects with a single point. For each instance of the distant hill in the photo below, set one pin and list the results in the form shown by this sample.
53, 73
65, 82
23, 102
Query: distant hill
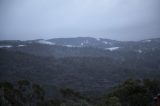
85, 64
83, 46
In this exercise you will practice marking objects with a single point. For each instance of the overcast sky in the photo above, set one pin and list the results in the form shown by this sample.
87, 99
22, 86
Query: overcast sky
113, 19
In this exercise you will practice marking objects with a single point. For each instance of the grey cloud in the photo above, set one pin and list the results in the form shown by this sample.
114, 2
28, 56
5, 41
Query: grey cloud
114, 19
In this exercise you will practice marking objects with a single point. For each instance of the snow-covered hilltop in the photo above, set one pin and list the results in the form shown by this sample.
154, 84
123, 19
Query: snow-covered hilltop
82, 46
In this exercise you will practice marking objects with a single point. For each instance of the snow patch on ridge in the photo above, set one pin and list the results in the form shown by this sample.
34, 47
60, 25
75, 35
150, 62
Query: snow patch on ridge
82, 44
98, 39
21, 45
105, 42
71, 46
140, 51
46, 42
112, 48
6, 46
148, 40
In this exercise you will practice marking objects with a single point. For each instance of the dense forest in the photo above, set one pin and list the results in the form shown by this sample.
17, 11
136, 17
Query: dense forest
87, 73
81, 73
129, 93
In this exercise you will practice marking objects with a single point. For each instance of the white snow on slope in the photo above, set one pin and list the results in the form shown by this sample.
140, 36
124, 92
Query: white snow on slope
71, 46
105, 42
148, 40
140, 51
46, 42
85, 42
6, 46
98, 39
21, 45
82, 44
112, 48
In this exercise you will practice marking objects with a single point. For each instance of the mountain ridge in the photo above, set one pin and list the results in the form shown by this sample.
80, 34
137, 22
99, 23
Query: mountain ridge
81, 46
90, 68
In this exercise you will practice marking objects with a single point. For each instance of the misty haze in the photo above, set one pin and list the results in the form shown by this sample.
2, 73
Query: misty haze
79, 53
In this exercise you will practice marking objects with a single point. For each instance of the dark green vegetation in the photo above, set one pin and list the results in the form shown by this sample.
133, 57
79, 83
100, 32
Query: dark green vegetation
129, 93
87, 74
25, 93
133, 93
85, 66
